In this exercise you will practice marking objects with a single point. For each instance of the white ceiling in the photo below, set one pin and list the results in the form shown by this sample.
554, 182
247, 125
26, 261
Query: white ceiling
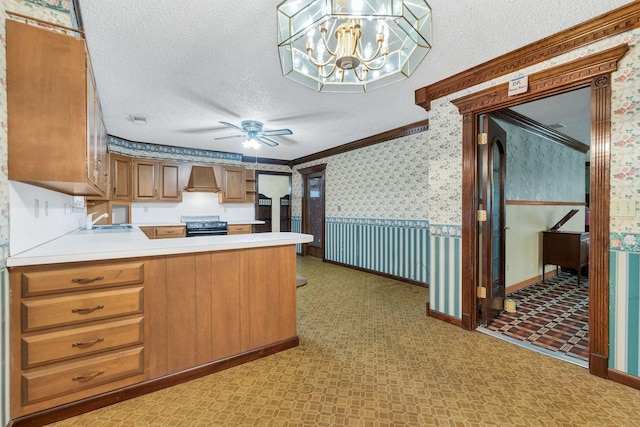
570, 110
187, 65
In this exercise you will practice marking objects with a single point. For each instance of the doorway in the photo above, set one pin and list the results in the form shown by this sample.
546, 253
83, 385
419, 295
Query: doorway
273, 204
594, 72
545, 180
313, 209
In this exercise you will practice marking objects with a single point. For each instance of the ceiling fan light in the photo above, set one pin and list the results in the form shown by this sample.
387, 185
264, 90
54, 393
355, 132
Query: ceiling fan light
251, 143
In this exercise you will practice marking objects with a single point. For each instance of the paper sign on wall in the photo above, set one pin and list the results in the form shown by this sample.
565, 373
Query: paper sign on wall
519, 85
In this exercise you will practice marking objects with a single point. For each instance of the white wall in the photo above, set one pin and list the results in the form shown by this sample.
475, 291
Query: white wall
28, 226
192, 204
524, 237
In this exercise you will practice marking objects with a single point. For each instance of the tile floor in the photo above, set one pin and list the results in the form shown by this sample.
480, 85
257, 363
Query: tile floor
553, 315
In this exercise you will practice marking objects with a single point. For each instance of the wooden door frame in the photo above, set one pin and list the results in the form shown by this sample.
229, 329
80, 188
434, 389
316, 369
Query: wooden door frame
591, 71
305, 172
257, 188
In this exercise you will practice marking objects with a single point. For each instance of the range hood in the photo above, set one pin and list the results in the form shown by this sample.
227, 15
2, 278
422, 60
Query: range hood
202, 178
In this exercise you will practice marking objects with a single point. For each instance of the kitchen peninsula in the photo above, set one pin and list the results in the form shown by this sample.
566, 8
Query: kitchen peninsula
98, 316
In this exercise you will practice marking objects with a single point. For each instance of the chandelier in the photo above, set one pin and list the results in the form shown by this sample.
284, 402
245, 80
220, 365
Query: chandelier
352, 45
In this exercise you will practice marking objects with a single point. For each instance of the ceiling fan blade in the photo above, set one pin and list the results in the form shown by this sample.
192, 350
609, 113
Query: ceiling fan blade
201, 130
276, 132
231, 137
232, 126
267, 141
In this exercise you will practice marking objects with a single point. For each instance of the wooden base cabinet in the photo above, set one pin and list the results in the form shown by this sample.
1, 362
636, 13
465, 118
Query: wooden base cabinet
82, 330
164, 231
76, 330
239, 229
231, 301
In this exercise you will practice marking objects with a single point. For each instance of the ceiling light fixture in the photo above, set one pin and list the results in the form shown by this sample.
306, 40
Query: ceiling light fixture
352, 45
251, 143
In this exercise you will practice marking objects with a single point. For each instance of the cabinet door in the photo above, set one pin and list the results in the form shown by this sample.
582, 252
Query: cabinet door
93, 166
144, 180
101, 147
233, 184
47, 134
120, 177
170, 188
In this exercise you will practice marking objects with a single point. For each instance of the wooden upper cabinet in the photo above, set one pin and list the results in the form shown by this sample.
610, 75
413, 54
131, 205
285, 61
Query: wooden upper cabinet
144, 180
121, 178
49, 108
233, 185
170, 182
157, 181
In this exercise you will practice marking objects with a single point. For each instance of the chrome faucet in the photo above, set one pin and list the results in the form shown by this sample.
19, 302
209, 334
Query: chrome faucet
91, 221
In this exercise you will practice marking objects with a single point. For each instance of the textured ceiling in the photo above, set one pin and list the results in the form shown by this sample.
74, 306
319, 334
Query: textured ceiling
187, 65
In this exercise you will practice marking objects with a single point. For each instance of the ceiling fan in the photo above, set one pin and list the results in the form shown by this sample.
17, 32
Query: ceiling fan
252, 130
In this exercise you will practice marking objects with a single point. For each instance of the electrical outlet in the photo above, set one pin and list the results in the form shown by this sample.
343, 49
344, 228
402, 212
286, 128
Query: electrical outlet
623, 208
36, 207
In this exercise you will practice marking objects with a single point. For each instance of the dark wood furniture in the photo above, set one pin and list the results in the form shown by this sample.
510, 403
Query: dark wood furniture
285, 213
565, 249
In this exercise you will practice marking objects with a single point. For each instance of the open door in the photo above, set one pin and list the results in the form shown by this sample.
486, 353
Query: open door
492, 172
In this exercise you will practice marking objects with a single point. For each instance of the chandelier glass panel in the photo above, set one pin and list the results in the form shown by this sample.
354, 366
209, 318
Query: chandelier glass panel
352, 45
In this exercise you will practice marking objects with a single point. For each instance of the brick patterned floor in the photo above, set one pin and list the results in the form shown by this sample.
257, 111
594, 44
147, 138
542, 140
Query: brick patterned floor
553, 315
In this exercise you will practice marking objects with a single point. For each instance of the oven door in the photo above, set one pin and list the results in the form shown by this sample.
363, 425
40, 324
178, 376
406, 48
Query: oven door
206, 232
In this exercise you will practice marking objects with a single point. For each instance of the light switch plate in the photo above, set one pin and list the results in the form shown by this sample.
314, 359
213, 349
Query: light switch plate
623, 208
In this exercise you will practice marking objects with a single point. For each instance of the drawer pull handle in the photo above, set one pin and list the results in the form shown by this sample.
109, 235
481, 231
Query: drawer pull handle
87, 377
86, 281
87, 343
87, 310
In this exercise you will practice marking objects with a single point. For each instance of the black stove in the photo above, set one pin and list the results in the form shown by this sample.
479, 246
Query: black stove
204, 225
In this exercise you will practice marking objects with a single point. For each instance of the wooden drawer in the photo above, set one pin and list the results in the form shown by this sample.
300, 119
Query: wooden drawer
39, 313
45, 383
169, 232
80, 341
80, 278
239, 229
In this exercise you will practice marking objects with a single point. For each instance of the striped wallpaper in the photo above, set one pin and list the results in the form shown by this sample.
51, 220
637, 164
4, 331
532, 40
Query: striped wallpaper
396, 247
624, 309
296, 227
445, 275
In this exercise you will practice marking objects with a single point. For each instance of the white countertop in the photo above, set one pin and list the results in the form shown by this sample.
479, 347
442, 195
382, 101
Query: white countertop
92, 245
170, 224
245, 221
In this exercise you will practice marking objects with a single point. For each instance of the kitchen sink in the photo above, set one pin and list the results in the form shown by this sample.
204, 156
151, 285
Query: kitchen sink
108, 227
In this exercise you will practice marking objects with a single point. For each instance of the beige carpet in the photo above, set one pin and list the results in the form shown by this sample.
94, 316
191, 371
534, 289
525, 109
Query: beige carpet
369, 356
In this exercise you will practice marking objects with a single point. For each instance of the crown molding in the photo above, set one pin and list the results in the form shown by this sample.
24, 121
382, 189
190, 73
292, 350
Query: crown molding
617, 21
407, 130
572, 75
539, 129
